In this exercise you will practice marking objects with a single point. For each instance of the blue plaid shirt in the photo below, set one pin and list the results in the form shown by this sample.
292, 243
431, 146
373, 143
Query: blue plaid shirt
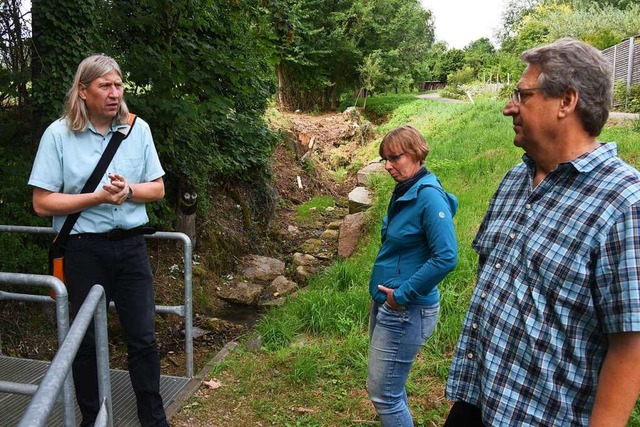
558, 271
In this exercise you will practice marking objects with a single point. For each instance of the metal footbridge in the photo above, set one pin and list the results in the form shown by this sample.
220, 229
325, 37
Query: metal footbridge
40, 393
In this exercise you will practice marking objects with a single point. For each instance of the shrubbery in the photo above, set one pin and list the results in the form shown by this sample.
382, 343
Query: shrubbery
629, 102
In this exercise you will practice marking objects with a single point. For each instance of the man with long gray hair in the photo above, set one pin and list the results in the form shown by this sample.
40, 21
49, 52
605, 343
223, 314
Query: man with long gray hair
105, 245
552, 334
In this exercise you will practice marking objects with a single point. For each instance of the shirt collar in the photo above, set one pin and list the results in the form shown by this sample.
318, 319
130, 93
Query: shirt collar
115, 126
586, 162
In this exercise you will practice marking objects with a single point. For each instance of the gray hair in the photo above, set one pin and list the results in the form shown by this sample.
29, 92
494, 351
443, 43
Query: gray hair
571, 64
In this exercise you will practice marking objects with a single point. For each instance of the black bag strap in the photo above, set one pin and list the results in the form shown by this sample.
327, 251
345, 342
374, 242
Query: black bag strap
96, 176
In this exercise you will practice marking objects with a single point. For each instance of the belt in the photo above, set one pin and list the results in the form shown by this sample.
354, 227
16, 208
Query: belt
115, 234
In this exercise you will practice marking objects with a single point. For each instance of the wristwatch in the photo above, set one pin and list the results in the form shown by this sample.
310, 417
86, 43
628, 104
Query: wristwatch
130, 193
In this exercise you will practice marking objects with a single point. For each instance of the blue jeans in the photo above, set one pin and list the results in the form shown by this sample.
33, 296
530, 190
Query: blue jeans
396, 337
122, 268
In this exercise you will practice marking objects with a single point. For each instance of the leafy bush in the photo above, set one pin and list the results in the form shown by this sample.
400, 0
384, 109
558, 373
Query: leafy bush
627, 101
22, 253
460, 77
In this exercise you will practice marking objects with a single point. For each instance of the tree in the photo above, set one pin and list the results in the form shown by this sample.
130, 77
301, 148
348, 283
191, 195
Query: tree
512, 17
315, 59
199, 73
15, 54
321, 45
446, 62
403, 33
479, 55
371, 73
64, 32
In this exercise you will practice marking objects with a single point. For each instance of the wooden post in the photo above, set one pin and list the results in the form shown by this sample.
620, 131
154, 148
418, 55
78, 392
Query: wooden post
186, 218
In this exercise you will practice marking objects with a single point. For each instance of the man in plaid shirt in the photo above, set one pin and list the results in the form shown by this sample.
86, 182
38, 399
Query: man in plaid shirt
552, 335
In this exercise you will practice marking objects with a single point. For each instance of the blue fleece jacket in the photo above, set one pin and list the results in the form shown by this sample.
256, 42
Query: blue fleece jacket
418, 246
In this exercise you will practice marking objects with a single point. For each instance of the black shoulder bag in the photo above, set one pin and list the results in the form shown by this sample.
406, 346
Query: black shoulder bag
56, 251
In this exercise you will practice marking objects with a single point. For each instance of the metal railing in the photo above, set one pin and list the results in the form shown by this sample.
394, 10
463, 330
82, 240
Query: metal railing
185, 310
62, 317
42, 402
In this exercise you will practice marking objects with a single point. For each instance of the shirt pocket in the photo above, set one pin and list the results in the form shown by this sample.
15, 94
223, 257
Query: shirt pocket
132, 168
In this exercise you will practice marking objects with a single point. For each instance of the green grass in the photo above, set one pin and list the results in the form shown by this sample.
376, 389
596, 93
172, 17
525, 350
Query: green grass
312, 369
313, 209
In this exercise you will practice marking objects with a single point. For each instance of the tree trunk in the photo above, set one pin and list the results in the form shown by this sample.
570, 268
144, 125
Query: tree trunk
37, 33
280, 75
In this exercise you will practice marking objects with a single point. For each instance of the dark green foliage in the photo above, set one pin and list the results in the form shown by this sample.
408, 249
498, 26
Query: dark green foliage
20, 252
315, 58
199, 75
447, 63
200, 72
14, 72
64, 32
322, 46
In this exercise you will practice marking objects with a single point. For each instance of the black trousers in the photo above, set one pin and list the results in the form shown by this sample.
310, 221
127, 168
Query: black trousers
463, 414
122, 268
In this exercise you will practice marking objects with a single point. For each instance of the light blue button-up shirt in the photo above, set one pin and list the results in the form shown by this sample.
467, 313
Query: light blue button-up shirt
65, 160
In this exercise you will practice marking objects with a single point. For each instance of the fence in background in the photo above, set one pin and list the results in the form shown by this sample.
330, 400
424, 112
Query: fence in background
625, 59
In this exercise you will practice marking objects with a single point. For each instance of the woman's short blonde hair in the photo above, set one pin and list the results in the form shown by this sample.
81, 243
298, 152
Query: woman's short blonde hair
75, 109
408, 140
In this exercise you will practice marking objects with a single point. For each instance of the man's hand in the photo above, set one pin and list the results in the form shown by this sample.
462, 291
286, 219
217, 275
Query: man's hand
117, 189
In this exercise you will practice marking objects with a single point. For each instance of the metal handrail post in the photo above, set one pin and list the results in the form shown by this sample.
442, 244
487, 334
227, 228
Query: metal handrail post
94, 307
188, 293
62, 318
186, 311
102, 355
102, 419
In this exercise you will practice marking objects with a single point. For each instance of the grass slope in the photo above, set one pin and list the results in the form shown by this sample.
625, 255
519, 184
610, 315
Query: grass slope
312, 367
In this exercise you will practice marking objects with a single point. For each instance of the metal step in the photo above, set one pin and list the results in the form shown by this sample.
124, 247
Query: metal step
28, 371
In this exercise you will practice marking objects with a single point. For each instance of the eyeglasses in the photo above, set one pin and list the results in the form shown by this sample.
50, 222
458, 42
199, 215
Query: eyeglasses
516, 95
393, 159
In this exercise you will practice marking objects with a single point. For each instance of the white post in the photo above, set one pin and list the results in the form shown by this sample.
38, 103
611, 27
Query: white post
629, 70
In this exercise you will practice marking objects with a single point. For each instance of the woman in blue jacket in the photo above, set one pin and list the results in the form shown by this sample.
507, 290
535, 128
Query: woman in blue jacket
418, 250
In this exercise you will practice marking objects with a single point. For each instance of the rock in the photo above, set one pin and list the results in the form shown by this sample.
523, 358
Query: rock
216, 325
292, 229
272, 302
330, 235
280, 287
359, 200
240, 292
303, 259
254, 343
350, 232
304, 272
326, 254
334, 225
311, 246
364, 175
198, 332
261, 268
